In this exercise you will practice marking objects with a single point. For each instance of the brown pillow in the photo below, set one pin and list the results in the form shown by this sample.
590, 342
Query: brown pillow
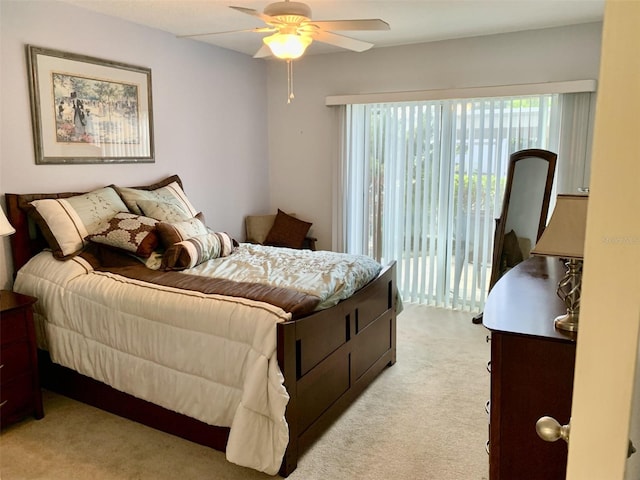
287, 231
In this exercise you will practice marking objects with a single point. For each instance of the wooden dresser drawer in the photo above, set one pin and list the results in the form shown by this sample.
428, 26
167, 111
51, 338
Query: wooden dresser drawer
13, 326
15, 359
16, 399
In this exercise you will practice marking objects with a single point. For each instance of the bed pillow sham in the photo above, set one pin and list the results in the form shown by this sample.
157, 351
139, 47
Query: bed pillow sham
287, 231
163, 211
168, 190
196, 250
128, 232
66, 222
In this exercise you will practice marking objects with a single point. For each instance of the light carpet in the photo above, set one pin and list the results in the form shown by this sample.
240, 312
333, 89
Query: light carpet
422, 419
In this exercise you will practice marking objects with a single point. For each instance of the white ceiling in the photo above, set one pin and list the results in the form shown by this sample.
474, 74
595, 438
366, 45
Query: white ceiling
413, 21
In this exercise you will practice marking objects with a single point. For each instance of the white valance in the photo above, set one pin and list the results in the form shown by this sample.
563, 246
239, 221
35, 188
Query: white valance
573, 86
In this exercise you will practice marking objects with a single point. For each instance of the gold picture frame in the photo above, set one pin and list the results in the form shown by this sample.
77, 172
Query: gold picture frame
89, 110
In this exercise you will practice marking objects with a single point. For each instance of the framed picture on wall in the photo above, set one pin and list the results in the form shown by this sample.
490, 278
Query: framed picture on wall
89, 110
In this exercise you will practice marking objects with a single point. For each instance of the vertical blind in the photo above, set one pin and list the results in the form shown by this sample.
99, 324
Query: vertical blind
424, 181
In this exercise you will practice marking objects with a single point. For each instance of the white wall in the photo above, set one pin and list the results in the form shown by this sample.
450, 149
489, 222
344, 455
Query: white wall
302, 134
210, 113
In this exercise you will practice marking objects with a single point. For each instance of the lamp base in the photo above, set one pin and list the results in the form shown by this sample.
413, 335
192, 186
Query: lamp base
567, 322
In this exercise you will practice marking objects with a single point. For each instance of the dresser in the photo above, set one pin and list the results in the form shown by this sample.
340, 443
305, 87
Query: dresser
20, 393
531, 371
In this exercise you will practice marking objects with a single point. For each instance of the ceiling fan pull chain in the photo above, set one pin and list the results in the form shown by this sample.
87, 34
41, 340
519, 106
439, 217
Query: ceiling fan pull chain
290, 81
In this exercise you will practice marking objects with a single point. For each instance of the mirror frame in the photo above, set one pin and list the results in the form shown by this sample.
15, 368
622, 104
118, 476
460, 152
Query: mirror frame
498, 240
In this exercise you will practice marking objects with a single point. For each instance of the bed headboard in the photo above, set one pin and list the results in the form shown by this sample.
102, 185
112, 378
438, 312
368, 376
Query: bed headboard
28, 240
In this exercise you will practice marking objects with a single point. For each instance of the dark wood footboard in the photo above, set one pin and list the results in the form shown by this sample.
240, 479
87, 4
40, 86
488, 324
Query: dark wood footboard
328, 359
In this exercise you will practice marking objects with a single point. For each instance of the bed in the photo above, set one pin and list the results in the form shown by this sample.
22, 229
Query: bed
321, 360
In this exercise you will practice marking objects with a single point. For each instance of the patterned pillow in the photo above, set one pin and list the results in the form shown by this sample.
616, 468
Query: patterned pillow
287, 231
198, 249
129, 232
169, 191
163, 211
66, 222
171, 233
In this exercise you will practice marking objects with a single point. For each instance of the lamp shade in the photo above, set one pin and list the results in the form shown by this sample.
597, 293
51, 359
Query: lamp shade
5, 226
564, 235
287, 46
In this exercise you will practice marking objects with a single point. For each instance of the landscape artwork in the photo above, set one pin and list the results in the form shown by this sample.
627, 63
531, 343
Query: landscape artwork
95, 111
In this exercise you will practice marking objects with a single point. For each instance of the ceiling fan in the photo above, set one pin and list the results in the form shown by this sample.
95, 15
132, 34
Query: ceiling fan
293, 30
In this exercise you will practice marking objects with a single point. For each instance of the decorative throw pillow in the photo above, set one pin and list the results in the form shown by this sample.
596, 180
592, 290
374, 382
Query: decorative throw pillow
171, 233
168, 190
163, 211
287, 231
129, 232
66, 222
199, 249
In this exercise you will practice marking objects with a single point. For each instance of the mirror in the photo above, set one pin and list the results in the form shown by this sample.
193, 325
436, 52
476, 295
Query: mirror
524, 208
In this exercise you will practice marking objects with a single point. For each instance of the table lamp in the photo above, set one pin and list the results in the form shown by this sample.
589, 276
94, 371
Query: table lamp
5, 226
564, 238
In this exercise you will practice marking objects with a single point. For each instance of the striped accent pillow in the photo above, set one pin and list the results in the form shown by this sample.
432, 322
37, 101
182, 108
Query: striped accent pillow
171, 233
196, 250
66, 222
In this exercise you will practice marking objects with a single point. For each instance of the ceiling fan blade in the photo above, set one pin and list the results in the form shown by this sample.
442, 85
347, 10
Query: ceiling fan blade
255, 13
342, 41
254, 30
263, 52
365, 24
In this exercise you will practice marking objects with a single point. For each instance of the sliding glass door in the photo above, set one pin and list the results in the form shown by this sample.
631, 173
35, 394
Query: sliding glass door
424, 181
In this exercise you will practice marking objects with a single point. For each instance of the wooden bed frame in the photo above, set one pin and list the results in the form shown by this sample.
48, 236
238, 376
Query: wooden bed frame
327, 359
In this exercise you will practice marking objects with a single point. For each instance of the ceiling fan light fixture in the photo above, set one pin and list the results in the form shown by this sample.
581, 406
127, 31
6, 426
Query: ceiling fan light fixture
287, 46
288, 8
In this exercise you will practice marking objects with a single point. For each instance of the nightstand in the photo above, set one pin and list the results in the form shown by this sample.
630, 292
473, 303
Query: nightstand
20, 393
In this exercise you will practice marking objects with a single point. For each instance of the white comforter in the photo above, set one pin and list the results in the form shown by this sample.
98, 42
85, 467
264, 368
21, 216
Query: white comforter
137, 338
330, 276
157, 342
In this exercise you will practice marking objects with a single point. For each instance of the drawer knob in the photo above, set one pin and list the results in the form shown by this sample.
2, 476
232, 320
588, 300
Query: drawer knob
550, 430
